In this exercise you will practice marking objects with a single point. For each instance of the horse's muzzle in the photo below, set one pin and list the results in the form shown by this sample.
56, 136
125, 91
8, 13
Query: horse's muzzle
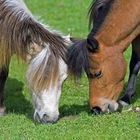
108, 106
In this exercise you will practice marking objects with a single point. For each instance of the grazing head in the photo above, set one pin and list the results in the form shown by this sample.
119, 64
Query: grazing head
46, 74
102, 53
107, 69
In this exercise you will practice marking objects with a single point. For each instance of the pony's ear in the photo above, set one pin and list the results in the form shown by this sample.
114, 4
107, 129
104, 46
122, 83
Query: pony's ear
92, 44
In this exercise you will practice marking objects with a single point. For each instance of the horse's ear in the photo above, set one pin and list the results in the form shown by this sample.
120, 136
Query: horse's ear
92, 44
77, 58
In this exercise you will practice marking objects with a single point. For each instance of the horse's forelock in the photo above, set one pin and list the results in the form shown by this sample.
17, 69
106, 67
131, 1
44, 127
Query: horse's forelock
78, 58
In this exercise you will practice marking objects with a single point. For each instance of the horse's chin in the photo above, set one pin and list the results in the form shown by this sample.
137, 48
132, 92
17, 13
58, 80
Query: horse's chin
109, 105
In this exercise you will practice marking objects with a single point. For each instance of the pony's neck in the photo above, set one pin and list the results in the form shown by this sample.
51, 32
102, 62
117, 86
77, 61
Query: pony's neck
121, 24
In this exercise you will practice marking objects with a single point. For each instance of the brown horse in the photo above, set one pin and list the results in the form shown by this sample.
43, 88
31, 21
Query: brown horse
116, 25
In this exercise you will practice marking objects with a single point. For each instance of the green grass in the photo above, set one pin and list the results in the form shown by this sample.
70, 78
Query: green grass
76, 122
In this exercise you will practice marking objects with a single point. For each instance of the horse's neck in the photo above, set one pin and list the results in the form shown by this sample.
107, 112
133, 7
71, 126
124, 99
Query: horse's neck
121, 23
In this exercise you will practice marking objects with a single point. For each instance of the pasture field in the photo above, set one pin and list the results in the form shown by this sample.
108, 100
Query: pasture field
76, 121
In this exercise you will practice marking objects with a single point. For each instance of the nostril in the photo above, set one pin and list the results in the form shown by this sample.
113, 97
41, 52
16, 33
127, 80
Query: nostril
96, 110
36, 117
44, 119
47, 120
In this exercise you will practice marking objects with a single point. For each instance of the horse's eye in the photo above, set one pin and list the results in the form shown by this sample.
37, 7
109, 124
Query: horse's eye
98, 74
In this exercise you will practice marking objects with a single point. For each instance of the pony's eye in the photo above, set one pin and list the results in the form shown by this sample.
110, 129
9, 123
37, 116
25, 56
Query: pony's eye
98, 74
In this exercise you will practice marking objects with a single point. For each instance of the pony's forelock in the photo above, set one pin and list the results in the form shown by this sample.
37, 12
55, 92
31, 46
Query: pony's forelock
43, 70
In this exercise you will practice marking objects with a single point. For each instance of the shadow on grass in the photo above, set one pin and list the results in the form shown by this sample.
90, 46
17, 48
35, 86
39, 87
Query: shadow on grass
15, 100
73, 110
17, 103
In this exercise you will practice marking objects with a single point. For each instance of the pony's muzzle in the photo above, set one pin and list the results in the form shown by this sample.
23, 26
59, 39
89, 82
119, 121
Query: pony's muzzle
45, 119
